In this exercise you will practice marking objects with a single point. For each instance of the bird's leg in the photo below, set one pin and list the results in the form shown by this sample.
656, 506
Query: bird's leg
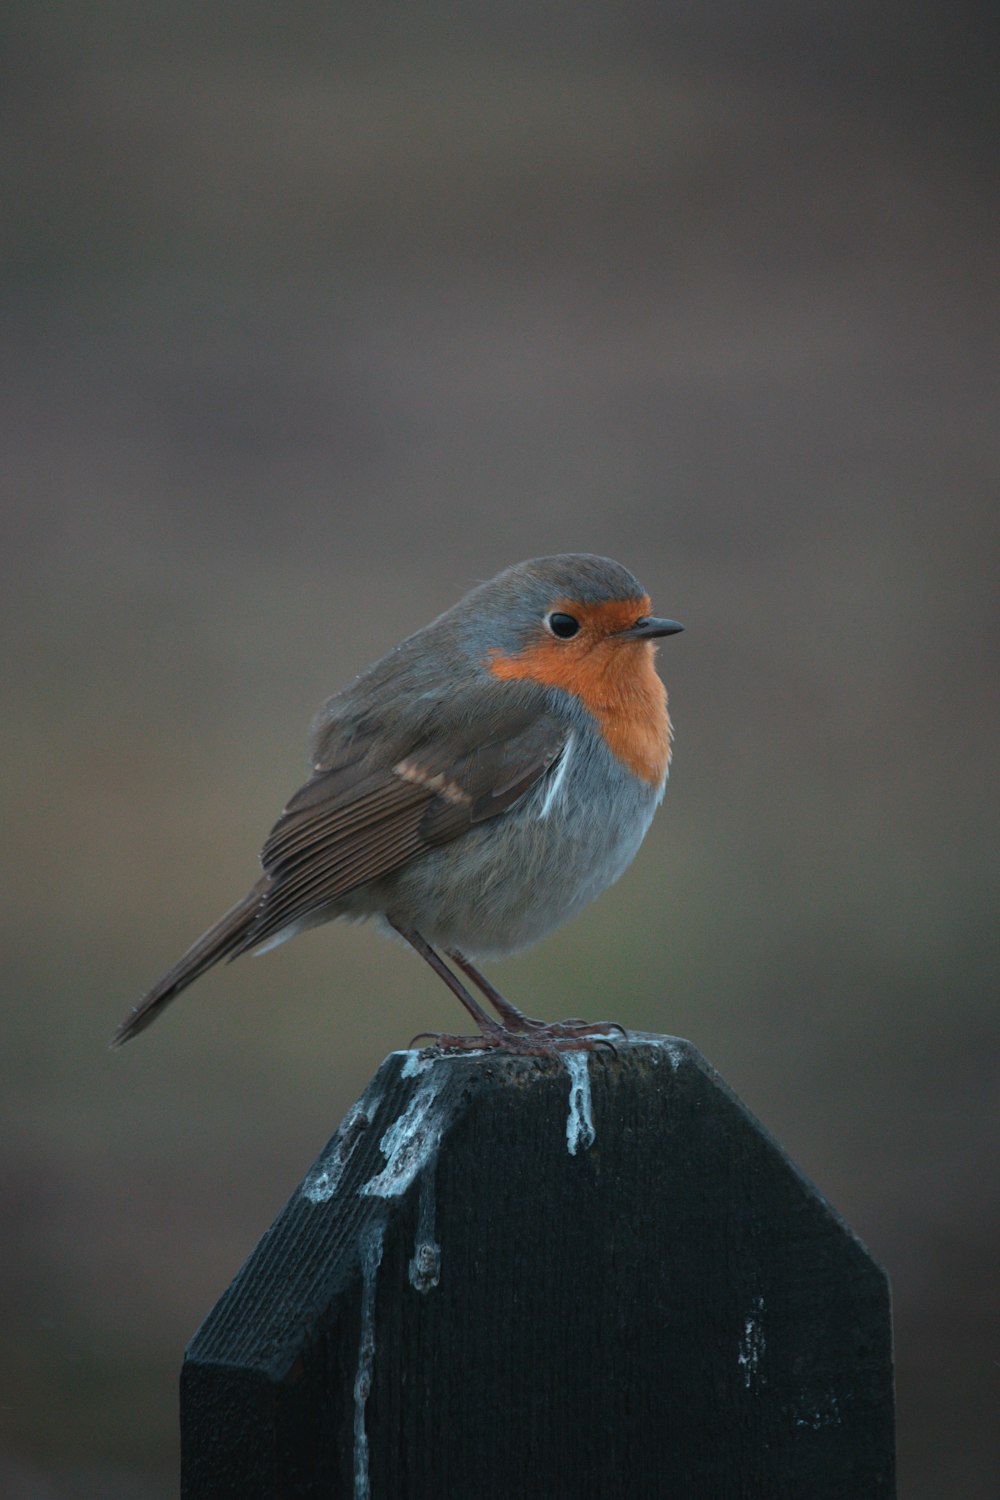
541, 1040
515, 1020
512, 1018
420, 945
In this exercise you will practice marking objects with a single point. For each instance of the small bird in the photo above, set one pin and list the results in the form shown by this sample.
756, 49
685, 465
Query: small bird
472, 789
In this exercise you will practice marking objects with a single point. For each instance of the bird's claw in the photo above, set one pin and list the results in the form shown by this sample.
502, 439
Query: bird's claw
546, 1039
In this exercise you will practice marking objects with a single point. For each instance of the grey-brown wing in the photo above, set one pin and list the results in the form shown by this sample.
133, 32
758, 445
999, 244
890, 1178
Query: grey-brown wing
351, 824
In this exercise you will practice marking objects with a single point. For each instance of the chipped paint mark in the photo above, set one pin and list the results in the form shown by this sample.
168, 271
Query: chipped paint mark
323, 1181
412, 1140
752, 1344
675, 1054
824, 1413
371, 1258
580, 1121
425, 1267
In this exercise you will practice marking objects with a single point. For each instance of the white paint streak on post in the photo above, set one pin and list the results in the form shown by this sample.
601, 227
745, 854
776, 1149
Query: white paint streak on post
580, 1121
752, 1344
322, 1183
415, 1062
371, 1259
412, 1141
425, 1267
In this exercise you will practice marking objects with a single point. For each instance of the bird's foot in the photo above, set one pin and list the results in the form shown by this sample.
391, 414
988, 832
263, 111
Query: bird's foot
573, 1026
516, 1021
542, 1039
573, 1031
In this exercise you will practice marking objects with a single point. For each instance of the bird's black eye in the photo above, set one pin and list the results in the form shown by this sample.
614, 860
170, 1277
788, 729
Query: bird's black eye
563, 626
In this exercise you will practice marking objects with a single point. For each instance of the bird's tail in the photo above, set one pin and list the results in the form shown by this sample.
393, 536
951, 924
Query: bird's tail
220, 941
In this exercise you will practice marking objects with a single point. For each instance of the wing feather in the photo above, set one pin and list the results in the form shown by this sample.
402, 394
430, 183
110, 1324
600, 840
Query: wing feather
351, 824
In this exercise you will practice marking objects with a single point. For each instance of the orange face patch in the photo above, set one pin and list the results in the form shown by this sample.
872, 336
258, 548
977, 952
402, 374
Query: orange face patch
615, 679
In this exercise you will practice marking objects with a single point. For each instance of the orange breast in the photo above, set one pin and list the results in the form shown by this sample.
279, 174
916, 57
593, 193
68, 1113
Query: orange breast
615, 679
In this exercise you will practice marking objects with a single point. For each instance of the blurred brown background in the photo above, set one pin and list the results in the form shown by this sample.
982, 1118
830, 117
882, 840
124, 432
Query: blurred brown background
313, 316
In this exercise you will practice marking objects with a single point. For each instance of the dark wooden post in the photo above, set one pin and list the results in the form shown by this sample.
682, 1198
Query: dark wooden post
510, 1278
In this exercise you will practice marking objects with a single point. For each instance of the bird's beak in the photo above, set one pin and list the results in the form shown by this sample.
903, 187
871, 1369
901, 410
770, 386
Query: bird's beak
648, 628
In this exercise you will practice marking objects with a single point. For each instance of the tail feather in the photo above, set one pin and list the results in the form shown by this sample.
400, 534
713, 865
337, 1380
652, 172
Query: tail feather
218, 942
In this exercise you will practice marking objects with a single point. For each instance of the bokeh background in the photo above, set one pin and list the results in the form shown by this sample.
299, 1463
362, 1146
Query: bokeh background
314, 315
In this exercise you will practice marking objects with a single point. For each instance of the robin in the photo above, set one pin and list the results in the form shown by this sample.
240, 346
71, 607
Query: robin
472, 789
